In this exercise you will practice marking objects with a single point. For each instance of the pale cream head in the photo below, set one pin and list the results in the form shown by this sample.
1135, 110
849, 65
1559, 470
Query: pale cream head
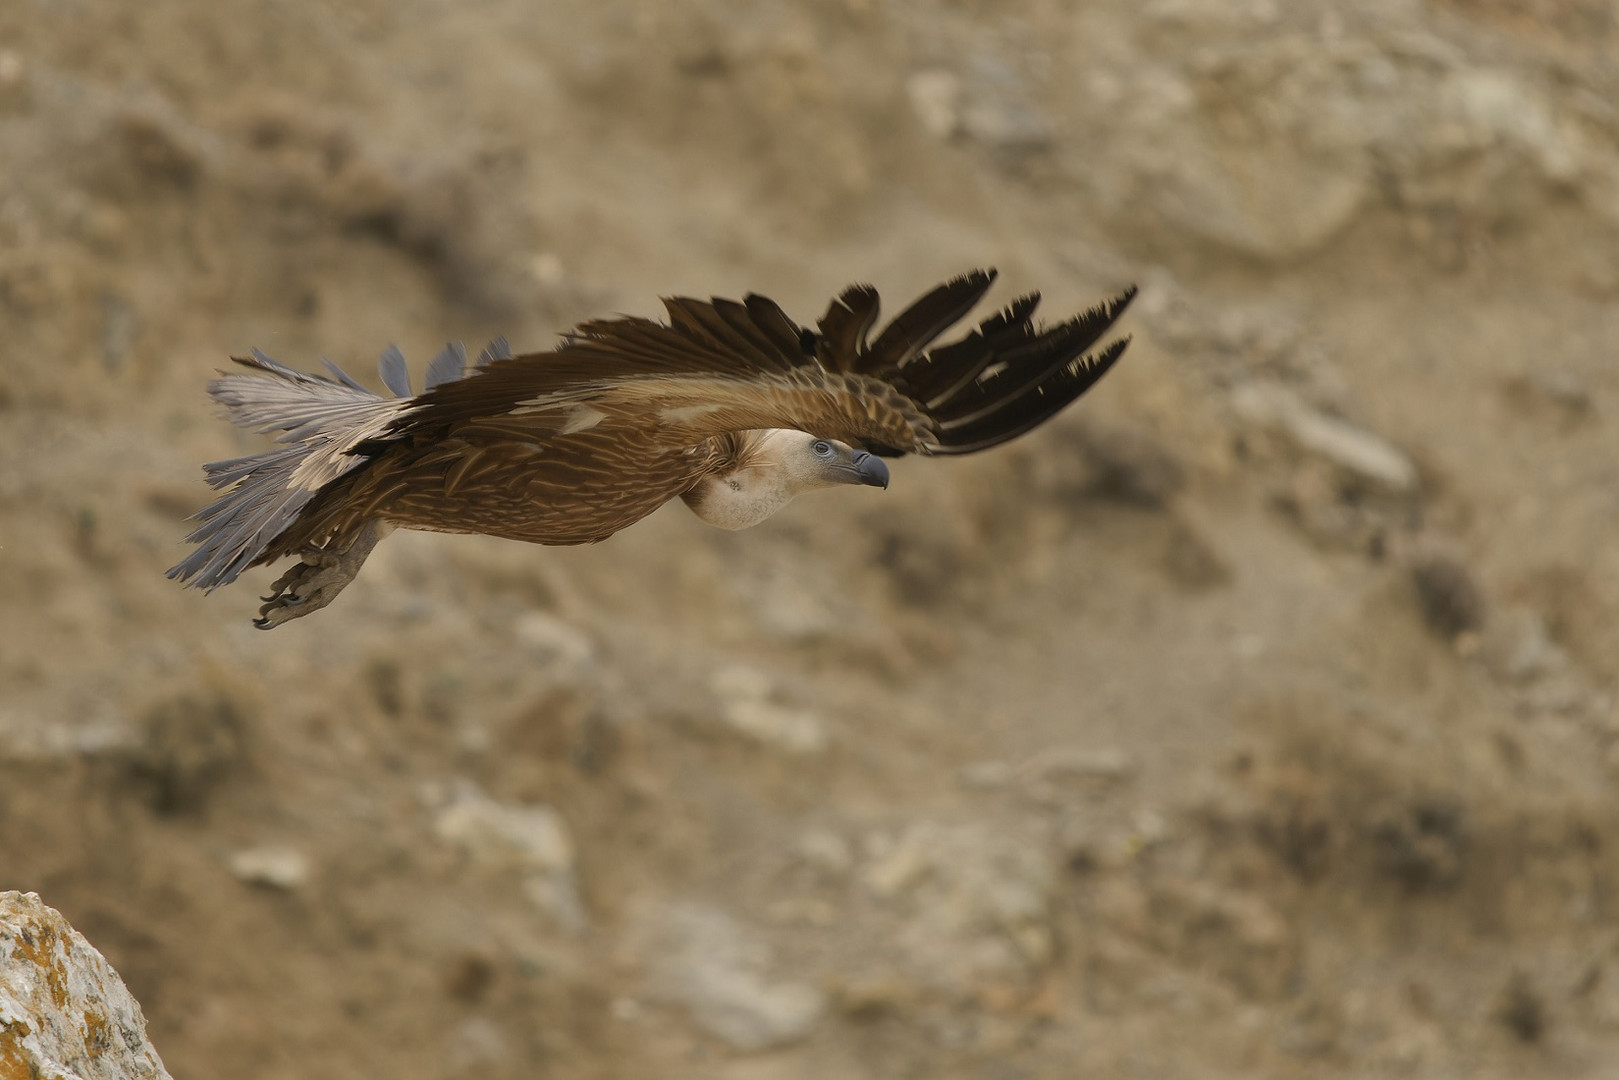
779, 465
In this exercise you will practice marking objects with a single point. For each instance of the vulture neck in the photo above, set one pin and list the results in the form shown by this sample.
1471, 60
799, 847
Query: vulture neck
753, 485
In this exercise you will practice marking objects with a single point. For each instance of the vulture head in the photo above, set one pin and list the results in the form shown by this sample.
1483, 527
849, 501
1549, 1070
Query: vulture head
775, 466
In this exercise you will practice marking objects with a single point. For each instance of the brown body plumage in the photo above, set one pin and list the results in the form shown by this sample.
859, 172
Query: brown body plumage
572, 445
577, 489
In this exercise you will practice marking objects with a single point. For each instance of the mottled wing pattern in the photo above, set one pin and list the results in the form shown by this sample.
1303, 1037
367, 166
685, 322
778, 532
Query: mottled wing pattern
722, 365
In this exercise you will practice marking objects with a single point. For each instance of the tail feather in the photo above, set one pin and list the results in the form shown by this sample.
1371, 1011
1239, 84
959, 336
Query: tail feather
448, 366
321, 425
237, 528
318, 421
394, 371
498, 349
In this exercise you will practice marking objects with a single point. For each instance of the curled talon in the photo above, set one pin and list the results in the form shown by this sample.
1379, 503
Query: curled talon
316, 579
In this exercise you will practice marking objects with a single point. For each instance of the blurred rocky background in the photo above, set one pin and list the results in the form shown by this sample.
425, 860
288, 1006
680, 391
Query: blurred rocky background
1256, 718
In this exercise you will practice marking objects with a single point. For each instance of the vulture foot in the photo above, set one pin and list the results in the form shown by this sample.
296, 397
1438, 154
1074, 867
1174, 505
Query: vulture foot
318, 577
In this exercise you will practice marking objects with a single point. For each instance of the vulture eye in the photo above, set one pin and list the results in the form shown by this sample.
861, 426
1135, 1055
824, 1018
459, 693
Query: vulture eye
821, 448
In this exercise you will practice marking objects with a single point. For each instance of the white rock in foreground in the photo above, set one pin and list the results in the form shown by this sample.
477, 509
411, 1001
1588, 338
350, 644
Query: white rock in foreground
64, 1012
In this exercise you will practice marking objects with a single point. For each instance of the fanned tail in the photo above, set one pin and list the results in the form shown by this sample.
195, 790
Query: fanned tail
321, 424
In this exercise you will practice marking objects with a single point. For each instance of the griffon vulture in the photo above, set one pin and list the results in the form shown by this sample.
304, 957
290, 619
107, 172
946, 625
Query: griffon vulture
732, 407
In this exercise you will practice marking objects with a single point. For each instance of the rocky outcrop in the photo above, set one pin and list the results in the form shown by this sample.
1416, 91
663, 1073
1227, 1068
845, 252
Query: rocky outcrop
64, 1012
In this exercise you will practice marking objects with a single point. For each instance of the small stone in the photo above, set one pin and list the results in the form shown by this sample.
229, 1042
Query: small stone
1007, 126
874, 996
155, 143
1360, 453
557, 896
1561, 397
900, 865
547, 268
1100, 763
936, 99
797, 731
469, 978
1151, 827
473, 739
271, 866
1452, 602
25, 737
553, 638
13, 80
1521, 1009
477, 1046
824, 851
1518, 648
985, 775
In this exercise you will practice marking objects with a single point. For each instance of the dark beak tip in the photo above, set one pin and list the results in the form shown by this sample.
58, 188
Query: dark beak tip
872, 469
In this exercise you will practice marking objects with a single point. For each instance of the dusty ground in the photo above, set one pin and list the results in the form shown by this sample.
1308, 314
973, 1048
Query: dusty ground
1255, 719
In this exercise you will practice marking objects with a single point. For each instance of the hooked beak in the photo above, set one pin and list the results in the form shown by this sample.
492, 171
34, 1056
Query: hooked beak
871, 469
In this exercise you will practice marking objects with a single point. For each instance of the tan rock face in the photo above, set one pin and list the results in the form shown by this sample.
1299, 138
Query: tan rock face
64, 1012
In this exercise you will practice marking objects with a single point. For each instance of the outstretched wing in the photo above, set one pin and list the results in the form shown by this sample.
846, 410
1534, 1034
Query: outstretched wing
722, 365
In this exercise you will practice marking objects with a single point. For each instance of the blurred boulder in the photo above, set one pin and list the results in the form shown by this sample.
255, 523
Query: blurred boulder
1519, 650
531, 840
993, 106
1260, 149
64, 1012
1268, 142
745, 706
707, 963
1421, 842
935, 98
976, 902
1451, 600
1360, 454
1522, 1009
190, 744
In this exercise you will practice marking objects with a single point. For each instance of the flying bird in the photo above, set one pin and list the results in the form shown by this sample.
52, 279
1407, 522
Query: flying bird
730, 406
